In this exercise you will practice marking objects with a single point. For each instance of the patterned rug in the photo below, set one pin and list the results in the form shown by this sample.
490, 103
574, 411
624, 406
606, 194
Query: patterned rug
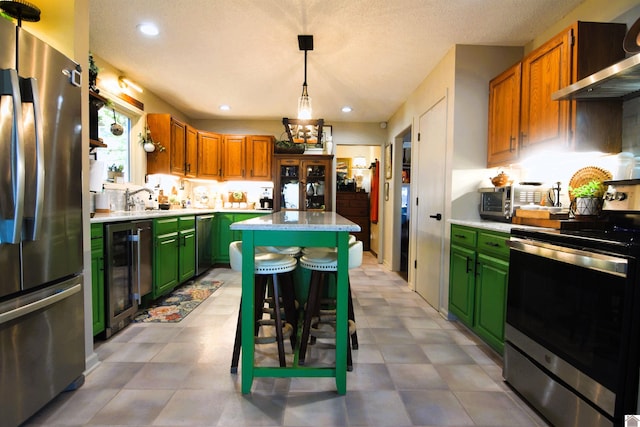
179, 303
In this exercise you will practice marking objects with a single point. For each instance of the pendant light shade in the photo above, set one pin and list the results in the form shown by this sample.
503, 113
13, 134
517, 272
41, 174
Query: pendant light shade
304, 130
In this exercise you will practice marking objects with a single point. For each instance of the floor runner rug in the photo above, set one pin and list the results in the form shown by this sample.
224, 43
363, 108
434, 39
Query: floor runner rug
179, 303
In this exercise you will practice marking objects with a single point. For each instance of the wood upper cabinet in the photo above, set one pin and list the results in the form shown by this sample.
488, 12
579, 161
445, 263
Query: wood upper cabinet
247, 157
234, 155
180, 142
577, 52
504, 117
581, 50
259, 157
209, 149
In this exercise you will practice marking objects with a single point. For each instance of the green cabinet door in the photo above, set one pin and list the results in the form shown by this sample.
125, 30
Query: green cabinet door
490, 306
97, 278
165, 255
187, 254
462, 283
224, 236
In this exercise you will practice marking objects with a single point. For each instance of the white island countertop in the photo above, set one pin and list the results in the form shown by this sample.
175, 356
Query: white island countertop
298, 221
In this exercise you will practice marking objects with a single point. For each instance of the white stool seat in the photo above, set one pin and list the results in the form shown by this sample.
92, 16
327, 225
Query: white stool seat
265, 262
328, 261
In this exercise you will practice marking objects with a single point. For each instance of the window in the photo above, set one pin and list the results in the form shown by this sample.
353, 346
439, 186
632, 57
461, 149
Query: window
117, 151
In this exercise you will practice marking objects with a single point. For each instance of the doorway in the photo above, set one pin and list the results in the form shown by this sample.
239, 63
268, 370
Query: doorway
405, 205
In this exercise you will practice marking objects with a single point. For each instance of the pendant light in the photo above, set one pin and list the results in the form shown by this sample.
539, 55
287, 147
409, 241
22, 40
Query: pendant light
304, 104
304, 129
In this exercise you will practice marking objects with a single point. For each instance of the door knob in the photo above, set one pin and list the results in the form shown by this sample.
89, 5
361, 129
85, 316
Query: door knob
437, 216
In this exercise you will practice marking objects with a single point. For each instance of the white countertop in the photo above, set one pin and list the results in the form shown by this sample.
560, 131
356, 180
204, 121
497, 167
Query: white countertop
157, 213
298, 221
503, 227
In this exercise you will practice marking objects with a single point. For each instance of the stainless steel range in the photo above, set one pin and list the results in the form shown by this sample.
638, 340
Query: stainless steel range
572, 336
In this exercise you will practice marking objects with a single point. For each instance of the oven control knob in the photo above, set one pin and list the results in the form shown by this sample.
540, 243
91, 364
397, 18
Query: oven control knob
621, 196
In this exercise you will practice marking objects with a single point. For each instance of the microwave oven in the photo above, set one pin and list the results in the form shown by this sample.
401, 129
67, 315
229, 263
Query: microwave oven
500, 203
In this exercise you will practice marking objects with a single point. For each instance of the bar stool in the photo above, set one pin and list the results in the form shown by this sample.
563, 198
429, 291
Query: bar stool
322, 263
269, 269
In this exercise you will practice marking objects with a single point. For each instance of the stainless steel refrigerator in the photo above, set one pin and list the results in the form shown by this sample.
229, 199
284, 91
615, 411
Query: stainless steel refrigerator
41, 298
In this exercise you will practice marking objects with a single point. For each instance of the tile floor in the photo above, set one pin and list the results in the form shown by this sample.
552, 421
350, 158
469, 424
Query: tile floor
413, 368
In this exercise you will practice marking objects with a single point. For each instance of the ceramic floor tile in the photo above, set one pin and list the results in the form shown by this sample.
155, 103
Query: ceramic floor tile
435, 408
133, 407
496, 409
376, 408
413, 367
193, 408
416, 377
466, 378
315, 409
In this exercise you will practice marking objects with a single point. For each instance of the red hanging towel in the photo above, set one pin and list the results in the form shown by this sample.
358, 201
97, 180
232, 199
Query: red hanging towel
375, 192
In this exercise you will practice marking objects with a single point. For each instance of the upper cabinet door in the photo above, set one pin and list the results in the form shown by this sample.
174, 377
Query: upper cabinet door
234, 157
259, 157
544, 71
178, 149
504, 117
209, 162
191, 152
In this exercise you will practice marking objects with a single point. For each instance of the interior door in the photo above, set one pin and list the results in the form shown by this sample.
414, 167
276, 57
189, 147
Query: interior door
429, 218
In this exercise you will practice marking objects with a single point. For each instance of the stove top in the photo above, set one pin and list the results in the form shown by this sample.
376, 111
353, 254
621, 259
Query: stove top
618, 240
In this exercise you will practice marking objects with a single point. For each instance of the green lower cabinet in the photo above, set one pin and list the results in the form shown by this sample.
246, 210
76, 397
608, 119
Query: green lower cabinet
478, 278
492, 277
462, 283
225, 236
97, 278
187, 248
165, 255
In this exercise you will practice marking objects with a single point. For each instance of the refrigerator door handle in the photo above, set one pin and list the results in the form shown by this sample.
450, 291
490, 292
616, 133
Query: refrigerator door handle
31, 95
37, 305
11, 228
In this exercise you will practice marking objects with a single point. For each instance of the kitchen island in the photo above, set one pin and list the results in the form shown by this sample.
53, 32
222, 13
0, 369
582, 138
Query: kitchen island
294, 228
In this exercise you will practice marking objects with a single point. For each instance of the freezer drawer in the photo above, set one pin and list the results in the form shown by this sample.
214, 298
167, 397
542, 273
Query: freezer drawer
41, 348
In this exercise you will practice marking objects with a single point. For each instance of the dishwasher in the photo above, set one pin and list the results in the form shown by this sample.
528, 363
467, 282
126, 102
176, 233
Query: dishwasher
128, 271
204, 243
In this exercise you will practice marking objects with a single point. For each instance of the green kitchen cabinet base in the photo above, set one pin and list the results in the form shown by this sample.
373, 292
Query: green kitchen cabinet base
165, 255
478, 278
97, 278
225, 236
187, 248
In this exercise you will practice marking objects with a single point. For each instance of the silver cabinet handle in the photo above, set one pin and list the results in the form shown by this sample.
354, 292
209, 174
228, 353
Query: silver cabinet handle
11, 228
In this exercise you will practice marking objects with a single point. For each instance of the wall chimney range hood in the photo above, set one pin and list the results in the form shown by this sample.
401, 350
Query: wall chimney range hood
619, 81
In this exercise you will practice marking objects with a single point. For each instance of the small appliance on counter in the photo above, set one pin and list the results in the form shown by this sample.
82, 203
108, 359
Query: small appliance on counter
500, 203
266, 198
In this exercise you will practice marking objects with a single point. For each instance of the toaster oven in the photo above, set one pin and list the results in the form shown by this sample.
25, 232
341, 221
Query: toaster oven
500, 203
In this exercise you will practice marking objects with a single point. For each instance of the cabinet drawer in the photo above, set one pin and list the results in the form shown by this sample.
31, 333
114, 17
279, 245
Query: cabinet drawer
186, 222
97, 244
463, 236
165, 225
493, 243
96, 231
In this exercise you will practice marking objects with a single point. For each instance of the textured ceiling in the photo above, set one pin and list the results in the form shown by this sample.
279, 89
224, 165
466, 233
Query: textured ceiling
369, 54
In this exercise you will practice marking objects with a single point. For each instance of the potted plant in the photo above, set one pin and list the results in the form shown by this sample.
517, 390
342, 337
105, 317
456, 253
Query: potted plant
148, 144
115, 171
588, 198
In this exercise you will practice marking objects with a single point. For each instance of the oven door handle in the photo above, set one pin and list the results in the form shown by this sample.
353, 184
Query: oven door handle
595, 261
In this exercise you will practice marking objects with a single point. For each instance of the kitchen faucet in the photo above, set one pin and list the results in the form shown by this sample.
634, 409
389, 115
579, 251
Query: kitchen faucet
128, 201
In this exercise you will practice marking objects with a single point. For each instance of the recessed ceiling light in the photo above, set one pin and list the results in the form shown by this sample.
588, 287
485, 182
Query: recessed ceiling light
148, 29
224, 107
347, 109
